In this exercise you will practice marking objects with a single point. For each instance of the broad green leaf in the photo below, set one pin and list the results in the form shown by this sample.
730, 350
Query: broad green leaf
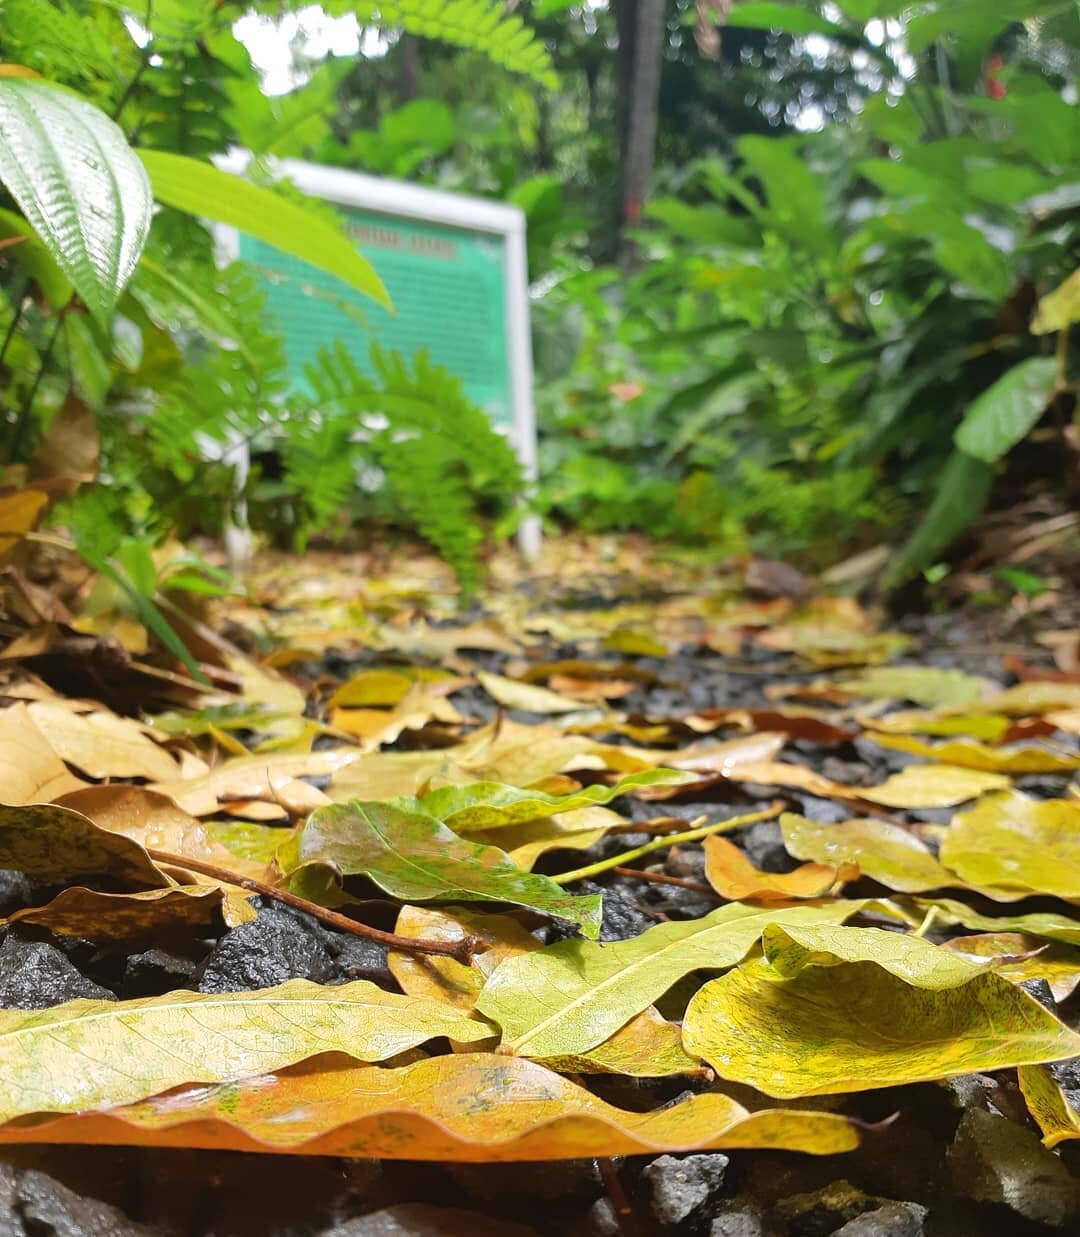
1050, 1107
469, 1106
96, 1054
1011, 846
204, 190
416, 858
1004, 413
491, 805
1058, 310
922, 786
78, 182
830, 1009
925, 685
886, 853
34, 256
970, 754
569, 997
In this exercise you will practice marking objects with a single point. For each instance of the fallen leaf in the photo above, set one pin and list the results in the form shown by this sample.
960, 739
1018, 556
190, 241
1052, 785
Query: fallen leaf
569, 997
93, 1054
472, 1107
20, 511
492, 805
830, 1009
1065, 719
1049, 926
1026, 699
970, 754
30, 771
525, 696
590, 690
988, 726
635, 642
1010, 846
371, 688
1020, 958
925, 786
54, 843
1048, 1104
525, 843
814, 725
886, 853
925, 685
416, 858
734, 877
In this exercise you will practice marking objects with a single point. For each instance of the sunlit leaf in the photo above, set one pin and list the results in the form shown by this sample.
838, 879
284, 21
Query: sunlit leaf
925, 685
886, 853
526, 696
733, 876
970, 754
1051, 1108
923, 786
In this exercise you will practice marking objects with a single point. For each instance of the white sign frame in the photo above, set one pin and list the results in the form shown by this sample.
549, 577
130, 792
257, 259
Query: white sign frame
456, 210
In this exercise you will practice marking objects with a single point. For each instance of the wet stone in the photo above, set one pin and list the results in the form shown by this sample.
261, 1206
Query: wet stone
36, 975
763, 844
740, 1220
681, 1186
820, 1212
622, 918
49, 1209
994, 1160
890, 1220
155, 972
269, 950
16, 891
357, 957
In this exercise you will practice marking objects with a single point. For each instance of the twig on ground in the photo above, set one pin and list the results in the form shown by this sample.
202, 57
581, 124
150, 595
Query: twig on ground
661, 878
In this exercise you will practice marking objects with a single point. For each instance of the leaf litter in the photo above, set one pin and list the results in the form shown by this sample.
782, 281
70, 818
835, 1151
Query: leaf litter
530, 809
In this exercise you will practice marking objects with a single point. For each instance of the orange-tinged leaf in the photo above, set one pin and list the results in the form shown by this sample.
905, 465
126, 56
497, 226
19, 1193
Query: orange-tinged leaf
830, 1009
970, 754
30, 771
1010, 846
884, 852
734, 877
1053, 1112
470, 1107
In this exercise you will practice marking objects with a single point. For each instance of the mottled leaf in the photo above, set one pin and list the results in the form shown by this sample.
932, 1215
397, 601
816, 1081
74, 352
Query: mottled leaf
1051, 1108
1049, 926
830, 1009
886, 853
416, 858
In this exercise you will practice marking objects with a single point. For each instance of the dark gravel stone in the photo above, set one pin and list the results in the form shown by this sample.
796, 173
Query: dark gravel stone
764, 847
49, 1209
11, 1224
426, 1220
36, 975
356, 957
740, 1221
681, 1186
622, 919
890, 1220
155, 972
16, 891
823, 811
820, 1212
267, 951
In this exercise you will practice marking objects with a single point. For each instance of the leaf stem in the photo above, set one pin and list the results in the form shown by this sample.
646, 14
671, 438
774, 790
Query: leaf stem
669, 839
461, 951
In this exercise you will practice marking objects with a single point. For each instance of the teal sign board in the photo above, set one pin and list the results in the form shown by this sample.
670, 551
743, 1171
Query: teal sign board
448, 286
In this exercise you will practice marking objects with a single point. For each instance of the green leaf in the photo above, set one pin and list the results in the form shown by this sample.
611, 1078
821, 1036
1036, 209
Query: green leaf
1049, 926
96, 1054
78, 182
962, 492
416, 858
491, 805
886, 853
925, 685
33, 254
833, 1009
787, 18
1007, 411
202, 189
569, 997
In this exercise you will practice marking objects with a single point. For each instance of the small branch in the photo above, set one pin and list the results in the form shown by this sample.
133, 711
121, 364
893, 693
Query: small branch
670, 839
661, 878
461, 951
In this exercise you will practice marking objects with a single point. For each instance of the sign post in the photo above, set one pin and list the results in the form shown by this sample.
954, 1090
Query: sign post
456, 272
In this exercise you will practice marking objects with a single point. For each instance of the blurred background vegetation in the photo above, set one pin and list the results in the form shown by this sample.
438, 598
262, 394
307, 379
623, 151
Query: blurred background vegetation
802, 273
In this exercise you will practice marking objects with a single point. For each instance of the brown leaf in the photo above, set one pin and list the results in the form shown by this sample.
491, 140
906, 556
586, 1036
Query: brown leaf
30, 771
68, 451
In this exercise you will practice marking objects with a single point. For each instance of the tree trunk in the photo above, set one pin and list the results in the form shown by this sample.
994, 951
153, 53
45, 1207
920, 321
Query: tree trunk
644, 101
409, 78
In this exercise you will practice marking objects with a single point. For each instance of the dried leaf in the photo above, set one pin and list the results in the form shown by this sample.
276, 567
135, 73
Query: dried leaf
923, 786
1051, 1108
95, 1054
416, 858
526, 696
569, 997
830, 1009
969, 754
1010, 846
371, 689
1028, 699
925, 685
19, 513
30, 771
886, 853
470, 1107
734, 877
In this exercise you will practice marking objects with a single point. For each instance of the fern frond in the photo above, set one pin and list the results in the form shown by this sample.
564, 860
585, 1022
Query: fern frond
478, 25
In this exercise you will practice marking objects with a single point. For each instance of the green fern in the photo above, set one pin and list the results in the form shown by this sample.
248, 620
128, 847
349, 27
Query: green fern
479, 25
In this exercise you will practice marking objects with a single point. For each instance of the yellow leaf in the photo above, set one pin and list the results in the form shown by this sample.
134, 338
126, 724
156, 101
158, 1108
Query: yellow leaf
471, 1107
830, 1009
1020, 958
988, 726
579, 830
926, 685
526, 696
371, 688
886, 853
96, 1054
970, 754
1048, 1104
19, 513
922, 786
1010, 846
1029, 699
101, 744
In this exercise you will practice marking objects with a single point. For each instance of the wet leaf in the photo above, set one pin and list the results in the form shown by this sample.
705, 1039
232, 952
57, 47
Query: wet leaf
886, 853
734, 877
925, 685
491, 805
526, 696
567, 998
1051, 927
1020, 958
416, 858
30, 771
1048, 1104
93, 1054
1010, 846
924, 786
830, 1009
970, 754
469, 1107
